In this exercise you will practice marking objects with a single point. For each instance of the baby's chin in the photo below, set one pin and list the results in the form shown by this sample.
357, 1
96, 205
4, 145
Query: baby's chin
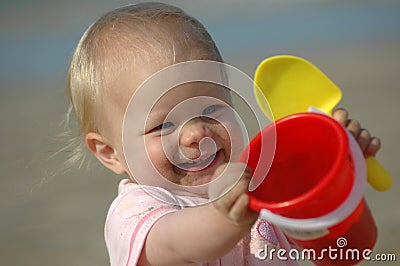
195, 181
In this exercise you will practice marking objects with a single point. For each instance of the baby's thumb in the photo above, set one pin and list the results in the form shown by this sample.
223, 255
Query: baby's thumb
225, 178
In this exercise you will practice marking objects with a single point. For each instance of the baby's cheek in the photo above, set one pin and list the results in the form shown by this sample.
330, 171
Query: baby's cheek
233, 138
153, 151
156, 155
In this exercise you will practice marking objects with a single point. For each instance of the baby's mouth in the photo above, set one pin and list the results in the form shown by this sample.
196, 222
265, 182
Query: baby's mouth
198, 164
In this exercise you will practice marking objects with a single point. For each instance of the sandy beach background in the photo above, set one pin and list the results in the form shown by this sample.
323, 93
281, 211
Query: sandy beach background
54, 217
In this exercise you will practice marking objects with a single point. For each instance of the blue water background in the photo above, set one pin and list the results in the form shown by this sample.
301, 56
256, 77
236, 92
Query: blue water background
37, 38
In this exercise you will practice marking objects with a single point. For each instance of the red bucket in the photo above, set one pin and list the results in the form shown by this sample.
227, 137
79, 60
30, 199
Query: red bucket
312, 174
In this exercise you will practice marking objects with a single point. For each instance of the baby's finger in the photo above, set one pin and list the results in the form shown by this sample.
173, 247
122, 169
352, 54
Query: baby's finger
364, 139
239, 209
240, 212
225, 202
354, 127
221, 183
373, 147
227, 178
341, 115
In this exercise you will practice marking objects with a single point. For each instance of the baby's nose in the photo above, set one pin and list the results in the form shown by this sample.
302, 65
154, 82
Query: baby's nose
194, 131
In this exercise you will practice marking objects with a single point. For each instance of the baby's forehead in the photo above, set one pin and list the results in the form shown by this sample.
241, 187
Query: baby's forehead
197, 91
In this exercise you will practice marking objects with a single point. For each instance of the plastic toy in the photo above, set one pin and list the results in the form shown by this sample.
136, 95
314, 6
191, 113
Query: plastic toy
315, 186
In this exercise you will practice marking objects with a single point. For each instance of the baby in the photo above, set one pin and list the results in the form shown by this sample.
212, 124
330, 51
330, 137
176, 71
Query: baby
149, 223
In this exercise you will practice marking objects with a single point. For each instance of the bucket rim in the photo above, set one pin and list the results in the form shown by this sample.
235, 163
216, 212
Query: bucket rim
342, 156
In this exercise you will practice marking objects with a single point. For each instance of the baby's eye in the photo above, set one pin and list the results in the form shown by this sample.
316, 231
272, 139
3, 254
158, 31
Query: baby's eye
163, 127
211, 109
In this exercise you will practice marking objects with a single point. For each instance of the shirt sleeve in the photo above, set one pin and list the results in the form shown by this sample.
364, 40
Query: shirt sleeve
130, 218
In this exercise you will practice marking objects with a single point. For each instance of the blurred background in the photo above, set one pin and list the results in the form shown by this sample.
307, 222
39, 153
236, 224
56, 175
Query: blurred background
50, 216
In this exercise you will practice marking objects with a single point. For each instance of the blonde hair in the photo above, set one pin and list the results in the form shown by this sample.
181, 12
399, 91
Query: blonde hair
107, 42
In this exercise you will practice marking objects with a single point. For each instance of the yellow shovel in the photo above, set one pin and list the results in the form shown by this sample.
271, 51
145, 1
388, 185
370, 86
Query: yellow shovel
292, 85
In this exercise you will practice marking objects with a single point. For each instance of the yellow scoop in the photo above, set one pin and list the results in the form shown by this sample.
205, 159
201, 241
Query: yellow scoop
292, 85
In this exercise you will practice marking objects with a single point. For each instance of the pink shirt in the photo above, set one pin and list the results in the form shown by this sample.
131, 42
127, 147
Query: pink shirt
134, 211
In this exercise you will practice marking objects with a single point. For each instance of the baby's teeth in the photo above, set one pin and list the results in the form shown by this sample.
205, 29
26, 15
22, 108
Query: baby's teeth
201, 161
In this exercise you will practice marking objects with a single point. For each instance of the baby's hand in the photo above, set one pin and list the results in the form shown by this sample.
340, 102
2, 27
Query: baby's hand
368, 144
232, 202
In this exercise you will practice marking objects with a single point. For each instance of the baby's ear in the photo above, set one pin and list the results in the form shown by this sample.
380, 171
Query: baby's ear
106, 154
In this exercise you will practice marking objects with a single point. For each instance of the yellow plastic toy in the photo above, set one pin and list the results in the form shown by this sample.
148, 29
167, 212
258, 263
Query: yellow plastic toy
292, 85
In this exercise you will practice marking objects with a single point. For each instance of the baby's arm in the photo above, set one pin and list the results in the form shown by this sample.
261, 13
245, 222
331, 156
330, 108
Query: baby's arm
203, 233
368, 144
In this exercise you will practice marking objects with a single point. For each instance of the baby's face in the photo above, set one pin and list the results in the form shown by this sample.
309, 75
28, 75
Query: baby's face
191, 131
183, 137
